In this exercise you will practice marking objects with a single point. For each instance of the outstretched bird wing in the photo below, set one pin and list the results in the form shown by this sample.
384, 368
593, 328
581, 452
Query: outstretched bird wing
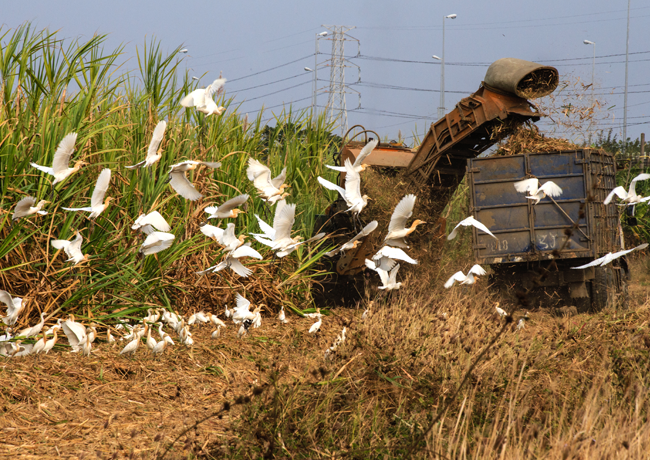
22, 207
63, 153
551, 189
402, 212
619, 192
365, 151
101, 187
527, 185
156, 139
183, 186
458, 276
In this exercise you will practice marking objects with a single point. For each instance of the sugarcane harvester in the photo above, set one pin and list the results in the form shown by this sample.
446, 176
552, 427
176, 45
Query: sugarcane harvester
439, 163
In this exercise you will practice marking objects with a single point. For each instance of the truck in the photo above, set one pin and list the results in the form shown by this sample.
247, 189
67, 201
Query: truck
536, 245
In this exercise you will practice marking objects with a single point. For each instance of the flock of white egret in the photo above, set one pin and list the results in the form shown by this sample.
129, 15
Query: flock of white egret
276, 236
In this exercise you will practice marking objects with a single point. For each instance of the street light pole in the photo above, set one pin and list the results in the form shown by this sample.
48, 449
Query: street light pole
593, 71
441, 108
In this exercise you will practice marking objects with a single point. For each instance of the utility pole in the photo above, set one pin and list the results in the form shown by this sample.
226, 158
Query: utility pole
627, 54
336, 105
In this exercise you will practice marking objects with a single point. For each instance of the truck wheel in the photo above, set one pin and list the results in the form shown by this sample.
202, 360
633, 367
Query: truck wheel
603, 289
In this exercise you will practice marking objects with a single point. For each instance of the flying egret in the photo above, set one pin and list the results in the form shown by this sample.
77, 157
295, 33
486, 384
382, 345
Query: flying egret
630, 198
26, 208
178, 179
147, 223
14, 307
242, 312
357, 166
72, 248
203, 99
397, 229
153, 154
60, 169
269, 189
228, 209
211, 231
97, 202
609, 257
156, 242
469, 221
279, 237
354, 242
535, 192
34, 330
466, 279
228, 241
75, 332
232, 261
388, 278
352, 191
393, 253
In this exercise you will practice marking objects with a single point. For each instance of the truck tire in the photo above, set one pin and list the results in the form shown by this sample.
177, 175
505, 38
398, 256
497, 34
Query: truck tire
603, 289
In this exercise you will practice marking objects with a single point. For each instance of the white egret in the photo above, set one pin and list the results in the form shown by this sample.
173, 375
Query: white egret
159, 347
316, 326
86, 347
393, 253
131, 347
26, 208
39, 345
397, 229
14, 307
156, 242
279, 237
282, 317
501, 312
153, 154
470, 278
50, 343
60, 169
609, 257
97, 202
147, 223
34, 330
216, 333
269, 189
242, 312
352, 191
203, 99
227, 312
109, 337
354, 242
388, 278
23, 350
521, 324
72, 248
216, 321
178, 179
535, 192
630, 198
228, 209
232, 261
357, 166
75, 332
467, 222
151, 342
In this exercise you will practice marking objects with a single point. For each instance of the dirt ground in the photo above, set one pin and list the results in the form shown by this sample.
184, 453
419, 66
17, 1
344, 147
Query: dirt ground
111, 406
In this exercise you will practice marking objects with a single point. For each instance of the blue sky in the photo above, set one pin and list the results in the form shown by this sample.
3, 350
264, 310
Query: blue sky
250, 37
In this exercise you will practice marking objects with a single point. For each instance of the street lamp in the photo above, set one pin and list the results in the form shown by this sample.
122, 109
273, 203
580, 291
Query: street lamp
593, 69
441, 108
